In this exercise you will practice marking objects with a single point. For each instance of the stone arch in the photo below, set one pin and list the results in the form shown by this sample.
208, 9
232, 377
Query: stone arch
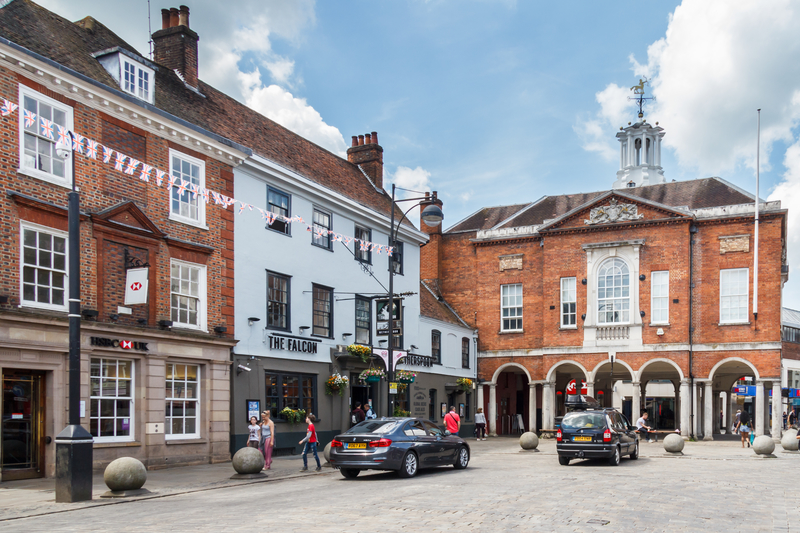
593, 375
506, 366
638, 375
745, 362
551, 372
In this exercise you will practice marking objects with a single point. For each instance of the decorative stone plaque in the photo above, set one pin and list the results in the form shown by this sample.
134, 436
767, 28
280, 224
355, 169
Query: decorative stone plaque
511, 262
734, 243
613, 212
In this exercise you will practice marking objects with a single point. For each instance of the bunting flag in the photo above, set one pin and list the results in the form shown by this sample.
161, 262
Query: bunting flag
160, 177
107, 153
347, 240
146, 170
91, 148
378, 248
337, 237
217, 198
184, 185
389, 250
228, 201
204, 194
320, 232
8, 107
172, 181
30, 118
77, 143
47, 128
269, 216
243, 206
363, 244
119, 165
63, 135
132, 164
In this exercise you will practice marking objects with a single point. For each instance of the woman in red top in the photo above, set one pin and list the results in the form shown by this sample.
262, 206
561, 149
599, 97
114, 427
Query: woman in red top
310, 443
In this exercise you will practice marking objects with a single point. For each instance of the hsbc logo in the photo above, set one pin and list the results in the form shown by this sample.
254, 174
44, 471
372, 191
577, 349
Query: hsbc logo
136, 286
117, 343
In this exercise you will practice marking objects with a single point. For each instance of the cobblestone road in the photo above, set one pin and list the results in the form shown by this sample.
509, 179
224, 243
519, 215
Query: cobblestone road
715, 487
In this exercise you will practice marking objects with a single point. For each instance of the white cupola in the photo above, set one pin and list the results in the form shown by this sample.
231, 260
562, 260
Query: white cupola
639, 155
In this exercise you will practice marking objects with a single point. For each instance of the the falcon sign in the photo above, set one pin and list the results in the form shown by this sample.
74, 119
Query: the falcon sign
117, 343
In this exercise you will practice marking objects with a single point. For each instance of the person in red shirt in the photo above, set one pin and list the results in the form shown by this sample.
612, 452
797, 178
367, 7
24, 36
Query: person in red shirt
310, 443
452, 421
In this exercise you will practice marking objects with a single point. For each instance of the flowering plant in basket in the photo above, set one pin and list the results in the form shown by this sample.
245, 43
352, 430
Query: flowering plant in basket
362, 352
405, 376
464, 383
293, 415
371, 374
337, 383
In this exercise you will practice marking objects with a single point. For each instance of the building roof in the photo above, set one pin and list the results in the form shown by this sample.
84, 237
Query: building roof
790, 317
433, 305
72, 45
694, 194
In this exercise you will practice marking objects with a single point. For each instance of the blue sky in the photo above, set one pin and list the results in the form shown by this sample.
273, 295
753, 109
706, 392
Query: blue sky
500, 102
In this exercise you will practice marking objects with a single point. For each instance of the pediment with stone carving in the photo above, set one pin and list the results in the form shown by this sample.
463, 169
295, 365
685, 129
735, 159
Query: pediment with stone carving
613, 212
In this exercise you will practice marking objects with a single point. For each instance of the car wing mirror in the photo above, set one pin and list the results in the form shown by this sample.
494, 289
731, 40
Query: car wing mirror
447, 432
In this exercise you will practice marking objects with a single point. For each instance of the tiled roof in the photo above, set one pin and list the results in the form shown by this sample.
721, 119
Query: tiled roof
72, 45
696, 194
433, 306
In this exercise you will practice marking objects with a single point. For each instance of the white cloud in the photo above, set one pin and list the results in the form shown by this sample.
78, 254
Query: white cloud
615, 110
417, 180
788, 192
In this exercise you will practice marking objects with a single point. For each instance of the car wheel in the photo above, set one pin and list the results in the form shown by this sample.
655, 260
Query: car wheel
350, 473
462, 458
616, 458
635, 453
564, 461
409, 465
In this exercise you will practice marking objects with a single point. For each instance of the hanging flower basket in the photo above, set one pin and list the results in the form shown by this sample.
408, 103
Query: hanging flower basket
371, 375
293, 416
336, 384
464, 384
405, 376
362, 352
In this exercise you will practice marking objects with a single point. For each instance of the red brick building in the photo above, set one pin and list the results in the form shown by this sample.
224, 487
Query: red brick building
155, 373
656, 275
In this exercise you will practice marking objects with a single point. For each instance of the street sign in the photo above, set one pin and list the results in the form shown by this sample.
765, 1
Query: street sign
136, 286
392, 387
395, 331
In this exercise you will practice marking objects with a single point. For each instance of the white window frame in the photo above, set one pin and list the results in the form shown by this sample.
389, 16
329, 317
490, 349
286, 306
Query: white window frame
132, 418
168, 435
138, 69
746, 296
573, 301
656, 280
504, 307
629, 297
202, 290
201, 205
54, 232
66, 181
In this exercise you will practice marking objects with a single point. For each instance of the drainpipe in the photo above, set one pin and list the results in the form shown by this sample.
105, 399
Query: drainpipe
692, 231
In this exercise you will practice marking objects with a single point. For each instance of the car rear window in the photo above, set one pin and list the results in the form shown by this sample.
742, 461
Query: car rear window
374, 426
583, 420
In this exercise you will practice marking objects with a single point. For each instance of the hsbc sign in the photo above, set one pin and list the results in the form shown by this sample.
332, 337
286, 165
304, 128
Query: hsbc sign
117, 343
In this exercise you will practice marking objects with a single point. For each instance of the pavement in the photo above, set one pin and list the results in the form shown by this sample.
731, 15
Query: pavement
715, 486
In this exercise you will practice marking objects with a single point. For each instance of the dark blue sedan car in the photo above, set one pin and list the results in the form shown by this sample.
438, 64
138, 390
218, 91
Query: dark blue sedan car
401, 444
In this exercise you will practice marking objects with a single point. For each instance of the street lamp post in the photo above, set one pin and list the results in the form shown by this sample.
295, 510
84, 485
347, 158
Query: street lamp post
431, 215
74, 444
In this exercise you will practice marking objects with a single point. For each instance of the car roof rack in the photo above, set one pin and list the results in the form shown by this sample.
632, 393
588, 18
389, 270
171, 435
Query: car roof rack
581, 402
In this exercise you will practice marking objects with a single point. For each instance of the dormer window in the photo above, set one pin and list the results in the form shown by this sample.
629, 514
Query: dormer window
134, 74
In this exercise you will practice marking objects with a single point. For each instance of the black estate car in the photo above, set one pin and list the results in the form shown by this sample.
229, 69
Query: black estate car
589, 431
401, 444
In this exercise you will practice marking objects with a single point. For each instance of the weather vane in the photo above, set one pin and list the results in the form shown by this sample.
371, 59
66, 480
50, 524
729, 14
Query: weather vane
638, 90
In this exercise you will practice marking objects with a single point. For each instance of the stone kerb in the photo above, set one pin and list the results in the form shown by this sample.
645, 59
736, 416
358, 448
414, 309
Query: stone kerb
529, 442
763, 446
789, 441
248, 463
125, 477
673, 444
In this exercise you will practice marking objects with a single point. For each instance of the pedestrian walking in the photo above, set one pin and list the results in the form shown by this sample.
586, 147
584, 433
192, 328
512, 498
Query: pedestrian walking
736, 421
480, 424
310, 443
267, 438
255, 433
743, 427
357, 414
368, 412
792, 418
452, 421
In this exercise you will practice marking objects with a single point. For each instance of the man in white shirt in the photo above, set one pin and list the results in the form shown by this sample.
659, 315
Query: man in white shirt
644, 429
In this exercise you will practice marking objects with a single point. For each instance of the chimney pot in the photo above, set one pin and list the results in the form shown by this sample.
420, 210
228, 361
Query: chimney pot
361, 140
368, 156
164, 19
367, 139
375, 137
174, 17
183, 16
355, 140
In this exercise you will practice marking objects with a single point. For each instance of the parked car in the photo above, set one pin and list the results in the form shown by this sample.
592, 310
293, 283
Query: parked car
401, 444
589, 431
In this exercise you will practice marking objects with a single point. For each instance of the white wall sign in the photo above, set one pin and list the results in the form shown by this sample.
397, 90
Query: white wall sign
136, 286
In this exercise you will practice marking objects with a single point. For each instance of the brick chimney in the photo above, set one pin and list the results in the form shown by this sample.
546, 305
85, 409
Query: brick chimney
175, 45
366, 152
430, 258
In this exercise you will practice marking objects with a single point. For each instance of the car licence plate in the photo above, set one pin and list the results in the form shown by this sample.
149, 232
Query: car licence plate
581, 439
356, 445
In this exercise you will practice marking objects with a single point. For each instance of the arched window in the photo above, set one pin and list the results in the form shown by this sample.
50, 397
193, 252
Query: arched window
613, 292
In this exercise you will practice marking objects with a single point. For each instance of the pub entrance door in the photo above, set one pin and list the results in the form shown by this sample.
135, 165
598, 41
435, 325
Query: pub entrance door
22, 425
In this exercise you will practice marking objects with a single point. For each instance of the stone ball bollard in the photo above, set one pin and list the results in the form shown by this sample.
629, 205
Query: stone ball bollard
673, 443
327, 452
125, 473
764, 445
529, 441
248, 461
789, 440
